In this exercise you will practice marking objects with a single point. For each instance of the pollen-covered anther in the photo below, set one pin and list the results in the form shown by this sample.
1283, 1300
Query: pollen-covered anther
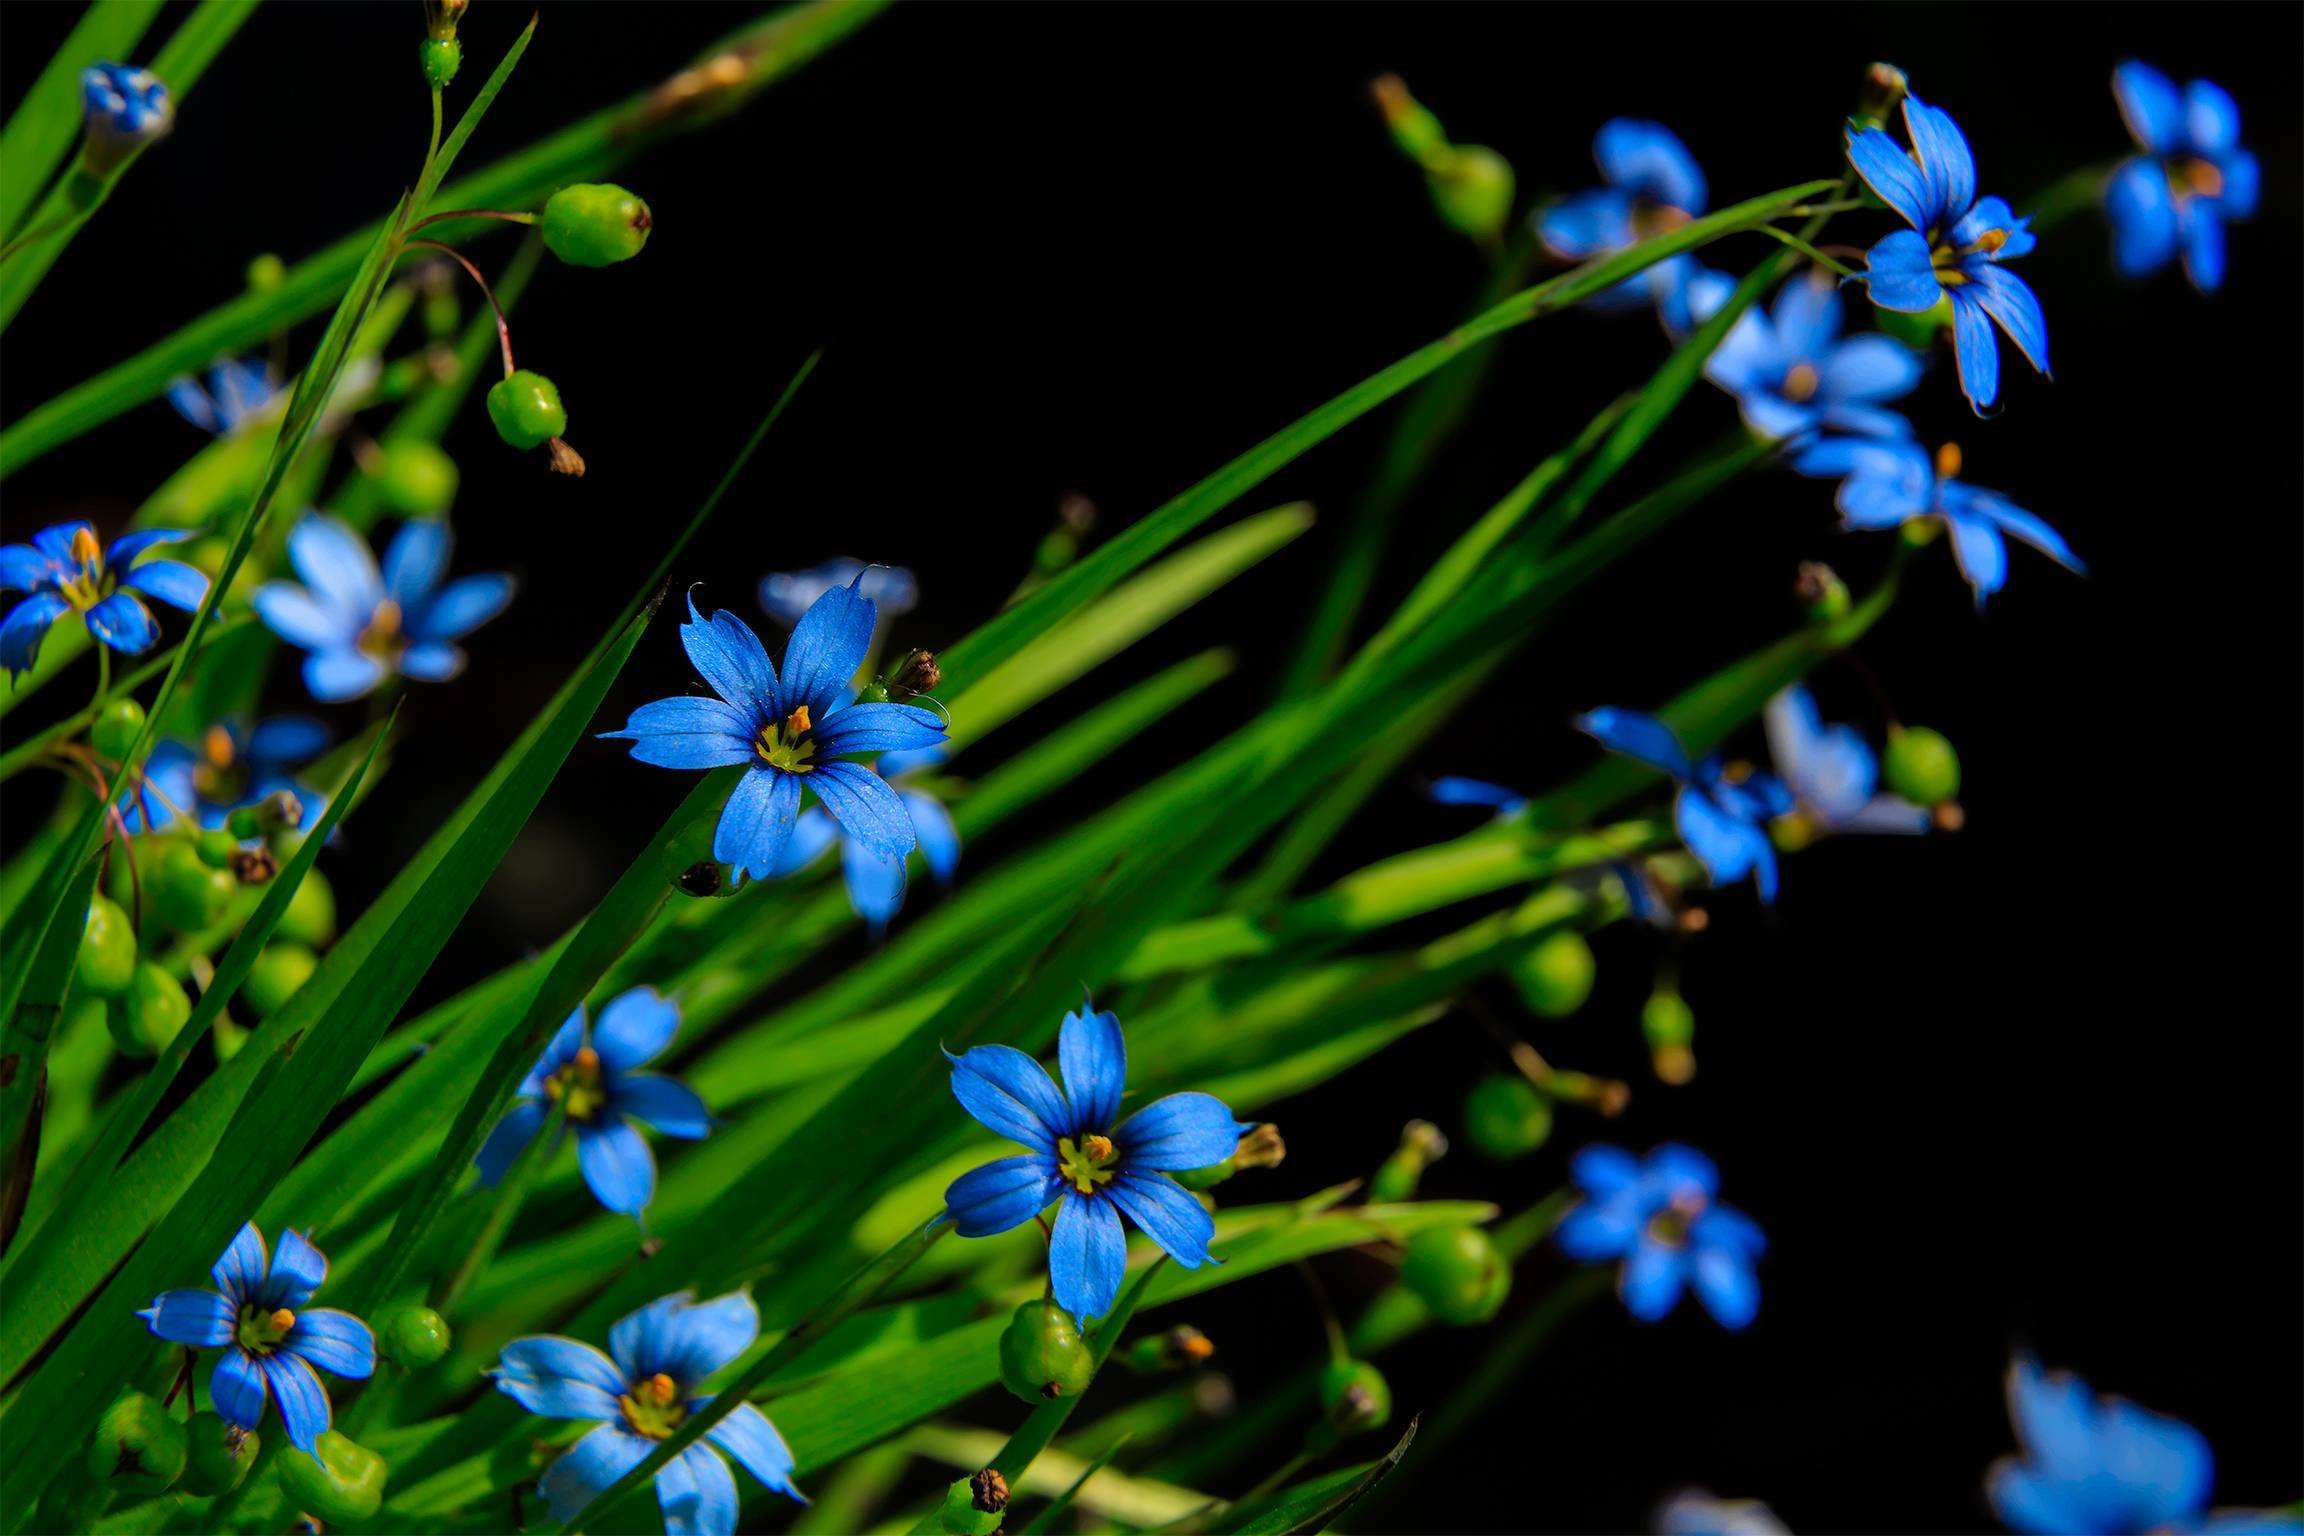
797, 723
2199, 177
85, 549
216, 746
588, 1061
383, 631
1948, 462
660, 1389
1800, 383
1097, 1147
283, 1319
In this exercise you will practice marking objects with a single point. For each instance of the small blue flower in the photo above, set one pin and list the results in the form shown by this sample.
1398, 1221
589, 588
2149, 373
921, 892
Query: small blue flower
1694, 1512
786, 595
1721, 816
2192, 179
640, 1392
789, 730
1452, 789
1653, 186
274, 1344
1955, 246
1793, 374
596, 1082
360, 625
124, 107
1100, 1166
1884, 484
876, 884
1661, 1217
238, 392
2104, 1467
232, 765
63, 570
1832, 772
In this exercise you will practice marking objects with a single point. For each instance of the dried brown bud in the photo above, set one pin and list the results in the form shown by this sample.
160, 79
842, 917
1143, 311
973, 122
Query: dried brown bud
565, 460
990, 1491
1260, 1148
915, 675
254, 866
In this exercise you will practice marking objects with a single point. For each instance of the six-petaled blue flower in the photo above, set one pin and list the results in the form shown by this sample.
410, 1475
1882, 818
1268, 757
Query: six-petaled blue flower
875, 883
1955, 246
1832, 772
1722, 816
237, 393
2191, 180
1794, 374
64, 570
1661, 1218
1653, 187
789, 730
640, 1392
230, 766
274, 1344
361, 625
594, 1081
1082, 1153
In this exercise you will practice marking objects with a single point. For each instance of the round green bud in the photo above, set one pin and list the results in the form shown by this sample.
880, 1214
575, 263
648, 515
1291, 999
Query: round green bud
245, 823
1506, 1117
311, 916
416, 479
1355, 1397
1555, 977
147, 1016
278, 975
137, 1446
343, 1485
1921, 766
440, 58
220, 1455
187, 895
526, 409
975, 1505
1042, 1356
1670, 1027
1472, 189
266, 273
216, 846
115, 728
595, 224
414, 1336
1458, 1273
107, 960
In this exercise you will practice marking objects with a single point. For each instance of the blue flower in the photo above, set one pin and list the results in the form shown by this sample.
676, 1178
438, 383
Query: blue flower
237, 393
640, 1392
1653, 187
1451, 789
595, 1081
63, 570
789, 730
1721, 816
1884, 484
2191, 180
1661, 1217
232, 765
876, 883
1832, 772
1694, 1512
2101, 1466
361, 626
1955, 246
1102, 1167
786, 595
274, 1344
123, 107
1794, 374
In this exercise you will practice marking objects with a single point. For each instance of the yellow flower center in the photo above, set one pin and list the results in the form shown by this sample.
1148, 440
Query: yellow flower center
1670, 1225
786, 745
2191, 176
382, 636
577, 1085
1948, 462
86, 587
260, 1332
1800, 383
653, 1408
1088, 1165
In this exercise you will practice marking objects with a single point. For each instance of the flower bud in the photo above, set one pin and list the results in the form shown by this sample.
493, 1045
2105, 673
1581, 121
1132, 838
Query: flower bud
137, 1447
115, 728
1414, 128
442, 16
595, 224
266, 272
1883, 92
216, 847
975, 1505
1260, 1148
1042, 1356
1472, 189
526, 409
1421, 1145
1458, 1273
220, 1454
415, 478
187, 895
1921, 766
1506, 1117
343, 1485
107, 959
1670, 1027
146, 1017
126, 109
1820, 590
278, 975
1182, 1347
1354, 1397
915, 675
439, 58
1555, 977
414, 1336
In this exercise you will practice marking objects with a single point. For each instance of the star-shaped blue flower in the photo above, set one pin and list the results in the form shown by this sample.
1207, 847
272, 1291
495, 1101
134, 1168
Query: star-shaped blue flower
1082, 1153
2192, 179
64, 570
1723, 818
361, 625
1793, 374
274, 1343
595, 1080
789, 729
232, 765
1955, 246
1832, 772
876, 884
1884, 484
640, 1392
237, 392
1653, 186
1661, 1217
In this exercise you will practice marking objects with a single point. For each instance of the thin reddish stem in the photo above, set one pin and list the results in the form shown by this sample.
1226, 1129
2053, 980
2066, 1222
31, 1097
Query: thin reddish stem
503, 331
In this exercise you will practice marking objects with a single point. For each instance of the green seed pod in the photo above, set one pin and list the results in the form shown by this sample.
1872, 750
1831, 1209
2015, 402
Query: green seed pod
114, 729
1921, 766
1355, 1397
1042, 1356
526, 409
1670, 1027
1396, 1178
439, 58
278, 974
187, 895
975, 1505
107, 960
311, 916
1555, 977
146, 1017
1472, 189
414, 1336
137, 1447
266, 273
416, 479
216, 847
595, 224
342, 1486
220, 1455
1506, 1117
1458, 1273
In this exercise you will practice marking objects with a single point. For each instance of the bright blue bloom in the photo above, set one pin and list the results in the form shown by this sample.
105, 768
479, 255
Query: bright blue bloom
237, 392
1653, 187
361, 625
1955, 246
1884, 484
1101, 1166
274, 1344
786, 595
1661, 1217
63, 570
876, 884
1794, 374
124, 105
1832, 772
2101, 1466
232, 765
1723, 818
789, 730
2192, 179
640, 1391
595, 1079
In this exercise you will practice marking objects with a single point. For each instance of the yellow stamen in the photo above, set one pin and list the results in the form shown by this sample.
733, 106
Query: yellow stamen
283, 1320
383, 630
2199, 177
1097, 1147
216, 746
1989, 241
660, 1388
1948, 462
1800, 383
588, 1061
797, 722
85, 549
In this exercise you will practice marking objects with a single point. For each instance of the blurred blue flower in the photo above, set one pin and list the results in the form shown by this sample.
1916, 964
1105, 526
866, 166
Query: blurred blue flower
2101, 1466
123, 107
1832, 772
1722, 816
1694, 1512
63, 570
237, 392
789, 730
640, 1392
1653, 186
274, 1344
1884, 484
786, 595
1955, 246
232, 765
1660, 1216
1794, 374
1100, 1169
876, 883
361, 625
595, 1081
1451, 789
2192, 179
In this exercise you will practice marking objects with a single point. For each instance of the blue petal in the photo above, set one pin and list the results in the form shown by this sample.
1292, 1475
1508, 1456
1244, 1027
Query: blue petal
511, 1137
1639, 736
1892, 176
638, 1339
296, 617
696, 1339
461, 607
1652, 1279
24, 569
2054, 1414
285, 740
634, 1026
1087, 1254
559, 1378
333, 1341
239, 1274
2013, 519
1773, 417
1889, 483
2011, 302
561, 1049
757, 821
1865, 420
2162, 1464
2203, 234
1806, 316
1002, 1195
875, 885
297, 1270
1601, 1169
617, 1165
1179, 1132
2242, 182
1649, 159
828, 645
302, 1401
416, 561
879, 728
729, 656
1460, 791
697, 1494
939, 838
1945, 161
26, 626
1983, 558
811, 835
2211, 119
1008, 1092
866, 808
688, 733
1587, 224
123, 550
747, 1435
122, 622
336, 565
192, 403
1597, 1231
1723, 1226
1676, 1171
1727, 1286
1166, 1214
1975, 348
56, 541
1726, 845
202, 1319
341, 673
666, 1104
2026, 1501
237, 1390
1901, 275
2150, 105
589, 1467
1993, 214
1867, 368
1094, 1059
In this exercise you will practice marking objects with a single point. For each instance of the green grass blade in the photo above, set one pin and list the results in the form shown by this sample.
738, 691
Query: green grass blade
47, 980
1316, 1504
46, 124
469, 122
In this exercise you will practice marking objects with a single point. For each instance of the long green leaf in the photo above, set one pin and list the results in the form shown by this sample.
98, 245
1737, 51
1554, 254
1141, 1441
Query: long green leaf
1315, 1504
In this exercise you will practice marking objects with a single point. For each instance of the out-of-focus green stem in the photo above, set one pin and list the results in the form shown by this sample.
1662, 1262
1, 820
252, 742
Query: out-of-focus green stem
46, 122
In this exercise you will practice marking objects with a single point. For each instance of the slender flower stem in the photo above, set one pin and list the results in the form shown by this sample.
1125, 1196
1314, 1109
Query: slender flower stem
2067, 195
1798, 244
506, 215
503, 329
432, 151
103, 677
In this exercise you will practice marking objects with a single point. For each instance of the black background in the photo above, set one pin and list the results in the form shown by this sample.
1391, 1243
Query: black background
2030, 1086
